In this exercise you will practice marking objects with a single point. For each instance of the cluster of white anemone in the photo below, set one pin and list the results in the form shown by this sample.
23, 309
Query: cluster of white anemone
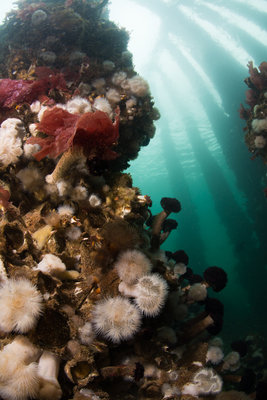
259, 126
18, 370
24, 374
148, 290
117, 318
135, 85
11, 131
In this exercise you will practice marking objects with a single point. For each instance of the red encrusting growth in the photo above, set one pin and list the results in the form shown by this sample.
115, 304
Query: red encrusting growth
258, 79
256, 82
13, 92
93, 131
251, 97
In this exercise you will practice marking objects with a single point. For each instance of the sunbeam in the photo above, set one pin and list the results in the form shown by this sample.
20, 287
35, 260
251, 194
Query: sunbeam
259, 5
188, 100
198, 68
242, 23
220, 36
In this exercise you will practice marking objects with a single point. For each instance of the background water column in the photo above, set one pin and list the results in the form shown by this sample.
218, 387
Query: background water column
194, 56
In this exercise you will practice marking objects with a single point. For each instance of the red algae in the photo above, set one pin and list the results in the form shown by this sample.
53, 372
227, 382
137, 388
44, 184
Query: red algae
13, 92
94, 132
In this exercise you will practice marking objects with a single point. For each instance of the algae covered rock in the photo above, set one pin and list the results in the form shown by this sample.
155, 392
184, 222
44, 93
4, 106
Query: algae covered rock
73, 113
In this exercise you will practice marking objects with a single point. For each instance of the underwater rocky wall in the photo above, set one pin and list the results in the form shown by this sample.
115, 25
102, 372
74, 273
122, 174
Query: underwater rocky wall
90, 307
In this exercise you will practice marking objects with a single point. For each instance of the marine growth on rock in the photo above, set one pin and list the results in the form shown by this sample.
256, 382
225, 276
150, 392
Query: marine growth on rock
90, 306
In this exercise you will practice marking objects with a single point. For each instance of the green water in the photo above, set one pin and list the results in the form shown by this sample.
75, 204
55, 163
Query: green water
195, 62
